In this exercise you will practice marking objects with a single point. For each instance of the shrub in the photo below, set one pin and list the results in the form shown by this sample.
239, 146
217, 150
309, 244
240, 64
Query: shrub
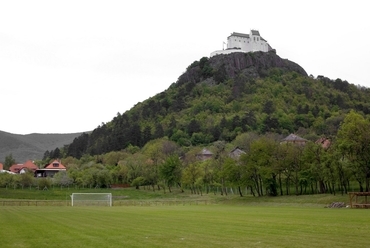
43, 183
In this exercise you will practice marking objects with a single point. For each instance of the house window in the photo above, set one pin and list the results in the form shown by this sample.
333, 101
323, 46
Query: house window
55, 164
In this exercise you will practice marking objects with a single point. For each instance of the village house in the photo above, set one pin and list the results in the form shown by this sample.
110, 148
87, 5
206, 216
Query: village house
51, 169
48, 171
23, 168
294, 139
204, 154
239, 42
207, 154
236, 153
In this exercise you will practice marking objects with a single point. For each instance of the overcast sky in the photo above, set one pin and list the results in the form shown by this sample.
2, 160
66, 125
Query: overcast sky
68, 66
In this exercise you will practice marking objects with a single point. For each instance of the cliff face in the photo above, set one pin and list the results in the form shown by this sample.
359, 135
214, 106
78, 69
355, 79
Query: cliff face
227, 66
260, 61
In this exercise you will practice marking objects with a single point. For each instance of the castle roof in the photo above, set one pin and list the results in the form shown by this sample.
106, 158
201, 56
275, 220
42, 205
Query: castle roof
255, 32
239, 35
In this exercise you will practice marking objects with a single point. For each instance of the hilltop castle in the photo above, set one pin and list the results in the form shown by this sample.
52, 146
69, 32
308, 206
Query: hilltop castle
238, 42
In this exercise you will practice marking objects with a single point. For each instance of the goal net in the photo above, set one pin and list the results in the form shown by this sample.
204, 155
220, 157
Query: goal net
91, 199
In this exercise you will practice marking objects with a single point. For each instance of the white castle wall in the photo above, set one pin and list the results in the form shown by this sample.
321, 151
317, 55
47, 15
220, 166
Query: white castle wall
241, 42
238, 42
228, 51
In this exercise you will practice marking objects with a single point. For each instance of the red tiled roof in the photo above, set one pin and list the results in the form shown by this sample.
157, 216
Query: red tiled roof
1, 166
15, 168
18, 167
324, 142
55, 165
29, 164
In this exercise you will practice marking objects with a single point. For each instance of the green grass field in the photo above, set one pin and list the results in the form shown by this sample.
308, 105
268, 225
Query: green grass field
179, 220
217, 225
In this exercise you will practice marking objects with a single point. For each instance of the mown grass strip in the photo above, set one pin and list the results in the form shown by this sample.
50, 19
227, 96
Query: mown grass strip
183, 226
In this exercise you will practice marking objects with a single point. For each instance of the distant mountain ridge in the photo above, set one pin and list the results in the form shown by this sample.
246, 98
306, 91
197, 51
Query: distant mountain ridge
31, 146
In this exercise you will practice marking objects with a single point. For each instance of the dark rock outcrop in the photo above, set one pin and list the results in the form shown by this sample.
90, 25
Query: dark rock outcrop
227, 66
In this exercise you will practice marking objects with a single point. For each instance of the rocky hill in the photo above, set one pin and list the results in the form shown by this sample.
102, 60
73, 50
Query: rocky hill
220, 97
251, 65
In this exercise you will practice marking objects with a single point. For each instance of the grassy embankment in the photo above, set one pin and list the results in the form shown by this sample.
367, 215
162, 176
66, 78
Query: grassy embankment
145, 195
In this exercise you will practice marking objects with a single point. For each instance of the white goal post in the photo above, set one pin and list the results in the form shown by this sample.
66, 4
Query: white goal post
91, 199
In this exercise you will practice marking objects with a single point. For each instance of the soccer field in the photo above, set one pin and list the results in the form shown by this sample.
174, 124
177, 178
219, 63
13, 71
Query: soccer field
183, 226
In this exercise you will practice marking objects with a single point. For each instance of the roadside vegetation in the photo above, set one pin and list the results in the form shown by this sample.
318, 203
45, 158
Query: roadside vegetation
267, 167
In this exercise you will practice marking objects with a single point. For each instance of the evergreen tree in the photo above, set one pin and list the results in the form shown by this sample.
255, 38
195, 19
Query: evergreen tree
158, 132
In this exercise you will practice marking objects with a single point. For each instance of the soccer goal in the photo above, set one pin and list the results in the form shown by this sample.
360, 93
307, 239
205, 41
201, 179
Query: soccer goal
91, 199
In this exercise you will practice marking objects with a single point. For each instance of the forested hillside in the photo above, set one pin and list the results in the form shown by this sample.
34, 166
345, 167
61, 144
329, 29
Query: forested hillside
221, 97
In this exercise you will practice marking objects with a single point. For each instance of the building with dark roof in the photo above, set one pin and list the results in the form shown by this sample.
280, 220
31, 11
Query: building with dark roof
294, 139
204, 154
236, 153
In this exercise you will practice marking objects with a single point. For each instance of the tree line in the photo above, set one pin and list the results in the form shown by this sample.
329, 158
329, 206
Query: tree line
266, 166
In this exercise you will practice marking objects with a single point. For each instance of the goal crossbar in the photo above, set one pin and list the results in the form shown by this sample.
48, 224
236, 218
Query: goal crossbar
91, 199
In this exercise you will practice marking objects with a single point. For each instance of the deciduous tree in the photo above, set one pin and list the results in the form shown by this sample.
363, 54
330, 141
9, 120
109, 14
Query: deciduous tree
170, 171
9, 161
354, 142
